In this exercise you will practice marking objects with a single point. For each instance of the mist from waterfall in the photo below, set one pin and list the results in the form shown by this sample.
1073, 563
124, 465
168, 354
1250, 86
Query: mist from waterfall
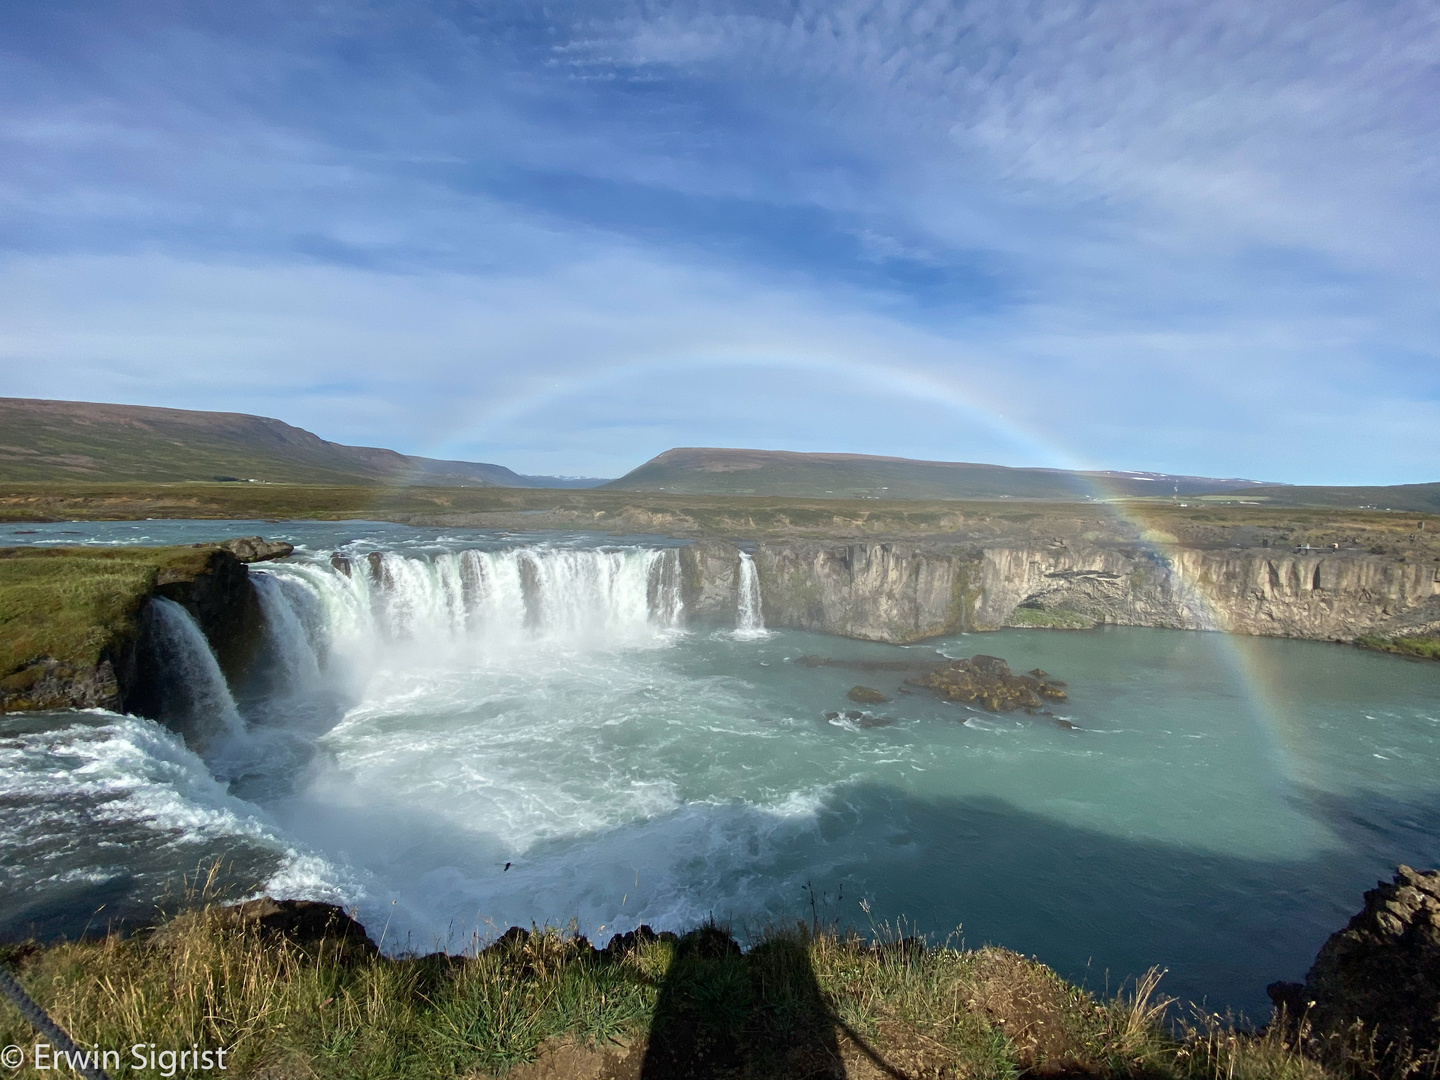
749, 614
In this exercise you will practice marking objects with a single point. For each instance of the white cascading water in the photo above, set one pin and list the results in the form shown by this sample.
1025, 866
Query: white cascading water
749, 615
294, 650
490, 601
197, 694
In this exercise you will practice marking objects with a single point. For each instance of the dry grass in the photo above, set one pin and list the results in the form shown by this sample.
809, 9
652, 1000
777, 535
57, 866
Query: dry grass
797, 1003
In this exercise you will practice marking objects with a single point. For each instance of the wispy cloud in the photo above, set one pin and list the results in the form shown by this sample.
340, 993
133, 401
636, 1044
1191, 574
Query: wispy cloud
1191, 237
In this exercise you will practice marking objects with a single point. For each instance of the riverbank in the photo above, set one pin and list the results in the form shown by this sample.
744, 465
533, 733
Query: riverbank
446, 729
1192, 524
72, 618
308, 995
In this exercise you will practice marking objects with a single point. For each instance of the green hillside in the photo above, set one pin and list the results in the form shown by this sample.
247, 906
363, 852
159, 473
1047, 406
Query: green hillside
693, 470
71, 440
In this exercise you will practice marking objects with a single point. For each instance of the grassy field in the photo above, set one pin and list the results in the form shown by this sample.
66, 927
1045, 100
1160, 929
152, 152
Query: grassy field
68, 604
714, 515
799, 1003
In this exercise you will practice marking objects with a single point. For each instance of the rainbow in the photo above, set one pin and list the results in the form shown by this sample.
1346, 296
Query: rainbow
1253, 669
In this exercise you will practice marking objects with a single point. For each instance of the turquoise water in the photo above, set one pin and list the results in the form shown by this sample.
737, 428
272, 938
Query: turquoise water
1217, 808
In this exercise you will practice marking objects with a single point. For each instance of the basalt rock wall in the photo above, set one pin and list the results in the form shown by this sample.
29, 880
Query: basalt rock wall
1327, 596
710, 581
223, 603
901, 592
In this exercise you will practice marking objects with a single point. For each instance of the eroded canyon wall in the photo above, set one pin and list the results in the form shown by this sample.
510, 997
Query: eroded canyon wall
901, 592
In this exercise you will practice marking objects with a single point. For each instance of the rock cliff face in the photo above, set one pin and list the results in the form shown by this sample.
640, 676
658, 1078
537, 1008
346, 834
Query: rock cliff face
224, 605
1328, 596
1382, 972
710, 581
901, 592
874, 591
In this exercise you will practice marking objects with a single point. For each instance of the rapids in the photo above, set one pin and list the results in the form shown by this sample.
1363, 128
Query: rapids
428, 708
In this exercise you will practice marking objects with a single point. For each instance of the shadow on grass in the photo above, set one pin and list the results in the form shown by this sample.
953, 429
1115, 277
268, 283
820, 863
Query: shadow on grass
724, 1013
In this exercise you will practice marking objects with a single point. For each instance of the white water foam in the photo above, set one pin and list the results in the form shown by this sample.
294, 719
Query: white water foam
136, 782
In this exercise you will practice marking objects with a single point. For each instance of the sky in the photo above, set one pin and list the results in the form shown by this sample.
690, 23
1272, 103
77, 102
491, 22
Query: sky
1199, 237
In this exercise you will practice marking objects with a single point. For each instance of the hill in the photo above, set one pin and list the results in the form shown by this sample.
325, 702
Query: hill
694, 470
75, 440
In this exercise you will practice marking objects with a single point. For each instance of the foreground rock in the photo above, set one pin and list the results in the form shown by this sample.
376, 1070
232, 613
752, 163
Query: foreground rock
303, 922
1382, 972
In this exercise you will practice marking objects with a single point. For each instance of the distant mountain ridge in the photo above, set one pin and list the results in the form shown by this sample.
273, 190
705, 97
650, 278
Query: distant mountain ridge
43, 440
713, 470
51, 441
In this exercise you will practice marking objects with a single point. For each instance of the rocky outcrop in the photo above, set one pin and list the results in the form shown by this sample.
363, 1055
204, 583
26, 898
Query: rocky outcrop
250, 549
988, 681
983, 680
710, 581
305, 923
47, 683
309, 924
866, 695
1379, 977
899, 592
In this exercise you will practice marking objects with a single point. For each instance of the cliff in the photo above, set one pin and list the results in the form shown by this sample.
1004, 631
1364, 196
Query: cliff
900, 592
73, 620
1377, 981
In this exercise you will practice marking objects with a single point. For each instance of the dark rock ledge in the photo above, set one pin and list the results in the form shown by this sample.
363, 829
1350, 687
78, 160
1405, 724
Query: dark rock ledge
1376, 983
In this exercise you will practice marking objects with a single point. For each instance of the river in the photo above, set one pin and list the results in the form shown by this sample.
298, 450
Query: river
456, 731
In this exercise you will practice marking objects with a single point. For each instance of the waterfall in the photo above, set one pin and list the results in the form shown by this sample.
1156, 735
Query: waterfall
195, 699
356, 608
284, 618
749, 615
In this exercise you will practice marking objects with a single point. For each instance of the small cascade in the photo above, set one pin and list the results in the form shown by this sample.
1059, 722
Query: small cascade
749, 615
195, 699
664, 594
352, 606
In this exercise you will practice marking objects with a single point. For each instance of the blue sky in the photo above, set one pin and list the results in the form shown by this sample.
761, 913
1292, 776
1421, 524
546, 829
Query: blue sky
1192, 237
